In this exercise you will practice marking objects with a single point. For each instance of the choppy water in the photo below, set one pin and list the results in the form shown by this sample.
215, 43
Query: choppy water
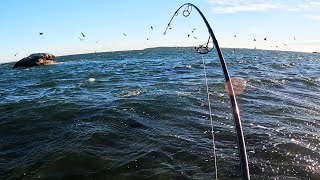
144, 114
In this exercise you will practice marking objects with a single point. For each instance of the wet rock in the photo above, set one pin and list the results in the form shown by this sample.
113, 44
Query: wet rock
37, 59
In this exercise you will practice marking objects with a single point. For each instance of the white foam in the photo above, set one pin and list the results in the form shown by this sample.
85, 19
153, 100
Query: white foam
91, 79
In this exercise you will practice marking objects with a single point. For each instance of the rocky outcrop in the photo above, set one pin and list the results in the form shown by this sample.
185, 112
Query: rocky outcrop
37, 59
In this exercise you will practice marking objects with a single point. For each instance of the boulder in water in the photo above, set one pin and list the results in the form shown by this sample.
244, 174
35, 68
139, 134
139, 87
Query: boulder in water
37, 59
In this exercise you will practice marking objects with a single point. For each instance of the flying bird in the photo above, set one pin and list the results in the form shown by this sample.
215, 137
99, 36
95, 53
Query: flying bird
81, 39
294, 38
40, 33
124, 34
15, 54
234, 35
83, 35
285, 44
188, 35
265, 39
195, 37
254, 40
151, 28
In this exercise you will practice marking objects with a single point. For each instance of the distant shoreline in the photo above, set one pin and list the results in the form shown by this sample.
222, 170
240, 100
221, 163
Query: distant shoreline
171, 47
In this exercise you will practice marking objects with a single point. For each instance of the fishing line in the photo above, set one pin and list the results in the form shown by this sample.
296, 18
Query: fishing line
245, 174
210, 115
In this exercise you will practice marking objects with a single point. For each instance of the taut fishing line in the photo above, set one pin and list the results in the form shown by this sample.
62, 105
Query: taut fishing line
210, 115
203, 49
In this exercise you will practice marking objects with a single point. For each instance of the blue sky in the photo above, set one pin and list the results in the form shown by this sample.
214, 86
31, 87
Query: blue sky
104, 22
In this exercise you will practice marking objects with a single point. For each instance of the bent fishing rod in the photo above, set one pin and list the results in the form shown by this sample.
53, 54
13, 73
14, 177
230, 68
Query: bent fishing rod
203, 49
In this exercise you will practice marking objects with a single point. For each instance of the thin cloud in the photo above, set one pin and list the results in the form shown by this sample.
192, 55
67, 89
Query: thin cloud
235, 6
244, 8
314, 3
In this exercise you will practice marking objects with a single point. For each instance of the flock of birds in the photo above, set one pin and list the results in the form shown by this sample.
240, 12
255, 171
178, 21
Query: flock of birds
192, 33
265, 39
83, 36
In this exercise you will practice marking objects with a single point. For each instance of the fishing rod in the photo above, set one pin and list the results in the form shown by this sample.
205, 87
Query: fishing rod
235, 109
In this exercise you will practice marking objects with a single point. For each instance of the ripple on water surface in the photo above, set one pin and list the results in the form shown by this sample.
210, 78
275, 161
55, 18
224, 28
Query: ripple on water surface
144, 115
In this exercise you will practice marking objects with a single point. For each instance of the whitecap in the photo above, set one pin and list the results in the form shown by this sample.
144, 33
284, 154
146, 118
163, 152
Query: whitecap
91, 79
129, 93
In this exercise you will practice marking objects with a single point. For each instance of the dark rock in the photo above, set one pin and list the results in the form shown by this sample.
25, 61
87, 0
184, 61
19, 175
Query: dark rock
37, 59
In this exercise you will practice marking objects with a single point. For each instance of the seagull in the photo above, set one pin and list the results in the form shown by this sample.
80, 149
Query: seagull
151, 28
285, 44
188, 35
294, 38
235, 35
83, 35
254, 40
81, 39
15, 54
147, 39
195, 37
124, 34
265, 39
40, 33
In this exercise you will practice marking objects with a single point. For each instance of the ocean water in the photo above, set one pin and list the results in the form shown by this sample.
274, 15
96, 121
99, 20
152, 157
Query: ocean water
144, 115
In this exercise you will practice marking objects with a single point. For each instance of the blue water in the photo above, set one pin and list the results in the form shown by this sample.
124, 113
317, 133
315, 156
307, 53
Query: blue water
144, 115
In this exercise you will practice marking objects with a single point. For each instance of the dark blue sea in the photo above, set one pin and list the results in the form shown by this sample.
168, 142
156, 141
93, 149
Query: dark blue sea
144, 115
